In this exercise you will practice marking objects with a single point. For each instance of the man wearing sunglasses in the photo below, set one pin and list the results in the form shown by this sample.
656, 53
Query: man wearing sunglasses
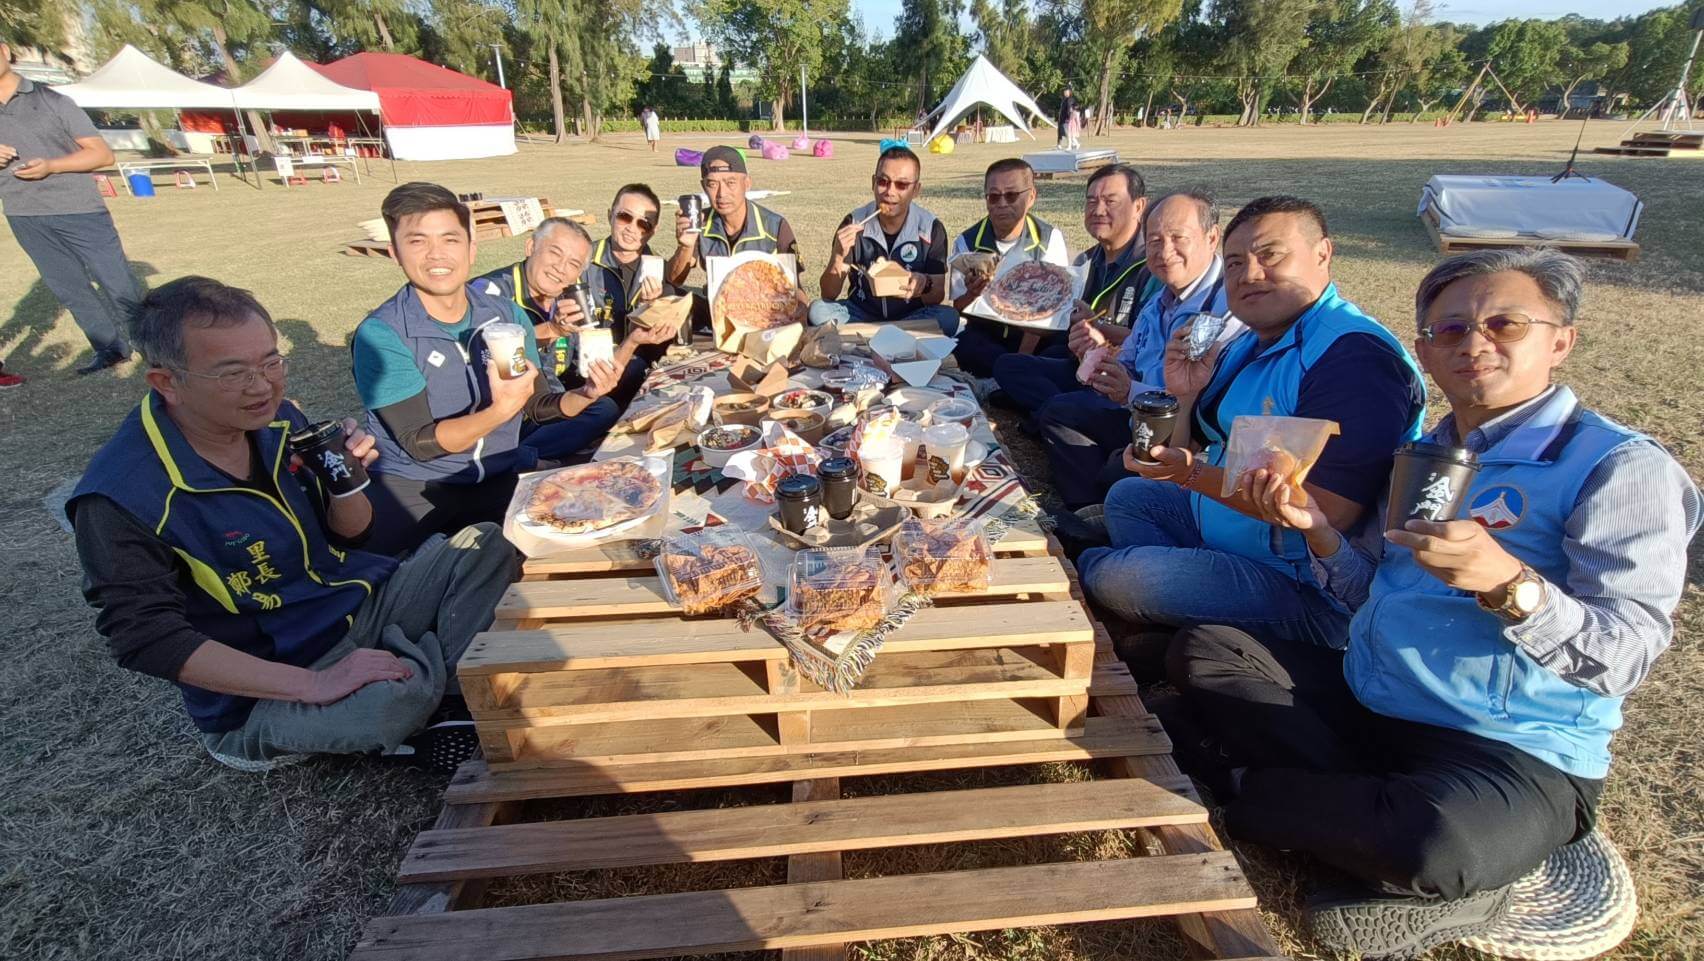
1008, 191
1465, 735
893, 227
1184, 552
217, 561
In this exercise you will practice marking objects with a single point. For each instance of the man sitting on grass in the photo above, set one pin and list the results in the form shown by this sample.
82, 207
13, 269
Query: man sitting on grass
893, 227
1465, 735
453, 432
217, 561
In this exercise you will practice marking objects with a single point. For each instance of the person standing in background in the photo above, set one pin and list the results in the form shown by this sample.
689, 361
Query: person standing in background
653, 126
48, 146
1062, 118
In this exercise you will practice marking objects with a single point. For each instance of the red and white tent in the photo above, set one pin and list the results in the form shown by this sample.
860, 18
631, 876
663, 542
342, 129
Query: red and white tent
430, 113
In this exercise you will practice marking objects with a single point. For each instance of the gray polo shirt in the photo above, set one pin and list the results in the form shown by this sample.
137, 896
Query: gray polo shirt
41, 122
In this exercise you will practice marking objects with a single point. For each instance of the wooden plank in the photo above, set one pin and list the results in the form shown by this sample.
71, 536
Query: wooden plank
634, 643
433, 897
1102, 737
811, 824
1625, 250
823, 866
622, 596
828, 912
702, 690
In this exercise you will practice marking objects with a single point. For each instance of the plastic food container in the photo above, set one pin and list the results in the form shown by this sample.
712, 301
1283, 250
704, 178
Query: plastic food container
838, 589
1286, 446
709, 570
944, 557
953, 410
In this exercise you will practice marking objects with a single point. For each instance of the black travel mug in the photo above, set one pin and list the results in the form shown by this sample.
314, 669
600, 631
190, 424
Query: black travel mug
320, 446
1429, 482
1153, 415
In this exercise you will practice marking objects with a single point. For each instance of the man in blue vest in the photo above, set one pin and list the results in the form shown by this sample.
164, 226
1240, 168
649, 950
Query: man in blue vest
1084, 429
1465, 735
1184, 553
1008, 191
449, 427
217, 560
896, 228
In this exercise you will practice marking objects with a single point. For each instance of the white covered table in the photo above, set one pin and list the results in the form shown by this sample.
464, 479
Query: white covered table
1532, 206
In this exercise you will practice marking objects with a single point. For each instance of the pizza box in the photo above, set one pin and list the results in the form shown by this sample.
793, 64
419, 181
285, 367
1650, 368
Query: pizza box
1059, 320
763, 346
535, 540
912, 358
749, 377
888, 278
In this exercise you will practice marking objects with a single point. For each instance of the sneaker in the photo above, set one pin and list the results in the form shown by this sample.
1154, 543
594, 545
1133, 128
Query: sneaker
10, 380
102, 360
1077, 535
1398, 926
440, 747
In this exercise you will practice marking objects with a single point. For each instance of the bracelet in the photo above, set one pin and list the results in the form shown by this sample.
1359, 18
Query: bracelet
1198, 464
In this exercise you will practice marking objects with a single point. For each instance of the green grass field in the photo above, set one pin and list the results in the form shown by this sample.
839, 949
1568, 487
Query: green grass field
121, 839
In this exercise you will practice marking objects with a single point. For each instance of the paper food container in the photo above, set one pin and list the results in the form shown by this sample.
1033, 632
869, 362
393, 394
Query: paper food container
595, 344
676, 310
888, 278
764, 346
650, 268
909, 357
1059, 320
750, 377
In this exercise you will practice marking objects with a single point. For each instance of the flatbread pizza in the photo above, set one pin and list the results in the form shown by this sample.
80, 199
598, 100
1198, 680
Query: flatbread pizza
593, 497
1029, 292
757, 295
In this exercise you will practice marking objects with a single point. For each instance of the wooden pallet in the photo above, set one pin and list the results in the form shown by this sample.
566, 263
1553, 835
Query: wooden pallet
1623, 250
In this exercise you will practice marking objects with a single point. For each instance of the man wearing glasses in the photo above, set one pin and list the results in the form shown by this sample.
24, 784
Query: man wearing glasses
1465, 735
1008, 191
1184, 553
217, 561
618, 286
892, 227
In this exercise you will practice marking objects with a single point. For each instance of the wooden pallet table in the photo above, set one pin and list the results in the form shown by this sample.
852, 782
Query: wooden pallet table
1623, 250
1657, 144
589, 684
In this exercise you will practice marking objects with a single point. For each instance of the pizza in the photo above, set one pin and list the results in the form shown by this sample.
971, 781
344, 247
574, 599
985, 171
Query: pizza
1030, 291
593, 497
757, 295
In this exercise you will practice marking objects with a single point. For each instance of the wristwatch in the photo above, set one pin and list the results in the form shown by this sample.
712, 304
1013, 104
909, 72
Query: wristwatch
1522, 596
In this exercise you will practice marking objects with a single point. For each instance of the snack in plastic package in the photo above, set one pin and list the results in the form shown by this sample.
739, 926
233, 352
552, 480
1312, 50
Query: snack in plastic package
709, 570
1287, 446
838, 589
1204, 330
943, 557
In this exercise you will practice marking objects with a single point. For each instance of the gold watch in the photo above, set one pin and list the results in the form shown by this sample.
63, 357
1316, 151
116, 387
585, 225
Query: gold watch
1523, 595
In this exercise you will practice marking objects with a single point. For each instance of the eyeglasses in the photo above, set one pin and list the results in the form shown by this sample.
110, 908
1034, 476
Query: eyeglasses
1004, 198
241, 378
1501, 329
885, 182
645, 223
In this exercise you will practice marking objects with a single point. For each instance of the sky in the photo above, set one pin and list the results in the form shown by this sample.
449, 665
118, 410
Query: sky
879, 15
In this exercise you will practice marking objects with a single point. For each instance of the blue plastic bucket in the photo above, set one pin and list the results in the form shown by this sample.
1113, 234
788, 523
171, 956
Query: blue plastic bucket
141, 184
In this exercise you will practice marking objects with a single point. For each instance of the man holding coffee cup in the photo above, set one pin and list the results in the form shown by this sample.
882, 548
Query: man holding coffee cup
227, 560
1465, 735
1181, 552
456, 417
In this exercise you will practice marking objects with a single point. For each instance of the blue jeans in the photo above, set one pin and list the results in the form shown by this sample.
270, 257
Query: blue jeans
1158, 571
943, 315
1032, 380
559, 441
1084, 435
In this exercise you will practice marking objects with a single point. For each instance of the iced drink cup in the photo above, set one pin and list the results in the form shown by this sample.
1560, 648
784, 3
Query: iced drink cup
507, 344
945, 444
882, 462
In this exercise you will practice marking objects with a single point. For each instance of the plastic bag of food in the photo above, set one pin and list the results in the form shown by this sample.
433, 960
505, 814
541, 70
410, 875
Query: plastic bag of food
837, 589
1287, 446
709, 570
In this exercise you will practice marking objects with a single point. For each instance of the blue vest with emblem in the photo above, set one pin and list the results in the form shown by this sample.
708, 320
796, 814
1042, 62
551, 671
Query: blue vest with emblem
1033, 241
1248, 377
762, 234
455, 385
259, 575
911, 249
1118, 293
1144, 351
1425, 652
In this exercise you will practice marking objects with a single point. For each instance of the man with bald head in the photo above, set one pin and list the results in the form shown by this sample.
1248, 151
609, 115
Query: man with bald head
1084, 429
1183, 553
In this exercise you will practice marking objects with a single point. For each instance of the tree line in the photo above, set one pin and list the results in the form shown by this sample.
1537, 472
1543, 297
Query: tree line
577, 64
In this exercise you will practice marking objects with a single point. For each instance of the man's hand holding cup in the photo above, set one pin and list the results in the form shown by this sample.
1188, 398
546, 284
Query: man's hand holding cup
509, 395
1173, 463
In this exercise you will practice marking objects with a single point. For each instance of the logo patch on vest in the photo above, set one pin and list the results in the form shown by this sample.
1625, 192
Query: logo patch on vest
1497, 508
435, 359
909, 252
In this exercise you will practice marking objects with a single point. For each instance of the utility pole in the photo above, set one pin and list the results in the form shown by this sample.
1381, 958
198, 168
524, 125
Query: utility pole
804, 105
497, 55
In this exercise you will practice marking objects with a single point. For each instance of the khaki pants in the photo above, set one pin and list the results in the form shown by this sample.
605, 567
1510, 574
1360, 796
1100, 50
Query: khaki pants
426, 613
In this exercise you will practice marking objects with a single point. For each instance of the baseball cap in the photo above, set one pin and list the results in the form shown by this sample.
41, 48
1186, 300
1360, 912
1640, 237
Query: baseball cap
721, 159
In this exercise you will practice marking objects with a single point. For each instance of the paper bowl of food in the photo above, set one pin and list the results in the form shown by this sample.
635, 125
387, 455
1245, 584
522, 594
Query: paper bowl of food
806, 424
740, 409
717, 444
803, 399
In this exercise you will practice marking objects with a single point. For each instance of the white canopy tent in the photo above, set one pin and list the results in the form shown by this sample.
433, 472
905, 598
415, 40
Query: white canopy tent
132, 80
290, 84
984, 84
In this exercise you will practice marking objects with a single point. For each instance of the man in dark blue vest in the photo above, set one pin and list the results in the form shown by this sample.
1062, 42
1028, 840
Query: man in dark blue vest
1183, 552
217, 561
452, 432
1465, 735
896, 228
1008, 193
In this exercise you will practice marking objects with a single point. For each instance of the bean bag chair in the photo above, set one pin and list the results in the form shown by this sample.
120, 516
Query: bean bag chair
755, 143
822, 148
775, 151
688, 158
801, 142
942, 144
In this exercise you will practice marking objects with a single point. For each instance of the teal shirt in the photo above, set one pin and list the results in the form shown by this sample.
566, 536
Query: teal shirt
385, 372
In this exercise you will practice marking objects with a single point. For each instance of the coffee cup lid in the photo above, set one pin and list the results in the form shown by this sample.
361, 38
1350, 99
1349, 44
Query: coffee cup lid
797, 486
315, 432
1420, 448
837, 467
1154, 402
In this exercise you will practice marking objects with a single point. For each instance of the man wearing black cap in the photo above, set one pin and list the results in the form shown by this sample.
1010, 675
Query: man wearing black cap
735, 224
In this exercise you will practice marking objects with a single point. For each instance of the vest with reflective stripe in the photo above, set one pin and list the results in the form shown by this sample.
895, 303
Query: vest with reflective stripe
913, 240
1033, 241
713, 242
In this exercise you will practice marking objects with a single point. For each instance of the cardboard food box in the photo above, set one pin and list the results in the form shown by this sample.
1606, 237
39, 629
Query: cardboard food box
912, 358
675, 311
750, 377
888, 278
763, 346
